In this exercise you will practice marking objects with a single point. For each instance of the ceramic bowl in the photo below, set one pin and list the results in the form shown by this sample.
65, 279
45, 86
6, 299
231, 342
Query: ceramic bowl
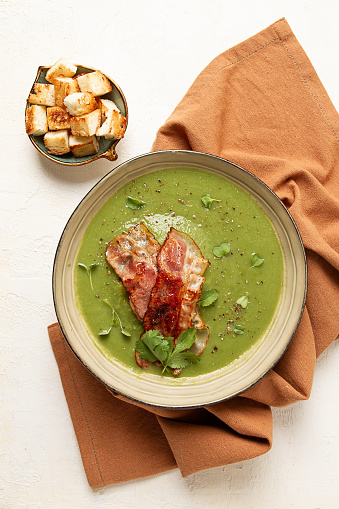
106, 147
205, 389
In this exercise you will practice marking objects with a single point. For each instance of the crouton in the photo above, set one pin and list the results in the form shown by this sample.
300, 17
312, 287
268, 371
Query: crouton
58, 118
114, 126
83, 145
80, 103
106, 105
63, 67
42, 93
57, 142
86, 125
95, 82
64, 87
36, 120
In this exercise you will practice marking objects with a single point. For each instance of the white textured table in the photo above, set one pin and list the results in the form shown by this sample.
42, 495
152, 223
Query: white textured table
154, 50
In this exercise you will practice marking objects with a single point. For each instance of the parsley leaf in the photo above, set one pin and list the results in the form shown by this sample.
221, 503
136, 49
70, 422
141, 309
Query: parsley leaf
243, 301
207, 297
222, 250
207, 201
256, 261
134, 204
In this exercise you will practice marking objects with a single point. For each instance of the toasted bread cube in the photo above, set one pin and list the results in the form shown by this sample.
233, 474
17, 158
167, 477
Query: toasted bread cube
36, 120
95, 82
42, 93
64, 87
114, 126
63, 67
57, 142
58, 118
86, 125
80, 103
106, 106
83, 145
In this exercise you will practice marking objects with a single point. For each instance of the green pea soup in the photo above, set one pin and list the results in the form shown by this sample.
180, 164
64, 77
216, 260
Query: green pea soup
173, 198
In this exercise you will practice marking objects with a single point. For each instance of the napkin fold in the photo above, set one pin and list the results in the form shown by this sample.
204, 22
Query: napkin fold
262, 106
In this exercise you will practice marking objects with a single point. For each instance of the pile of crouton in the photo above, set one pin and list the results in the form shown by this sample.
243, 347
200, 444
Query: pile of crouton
69, 112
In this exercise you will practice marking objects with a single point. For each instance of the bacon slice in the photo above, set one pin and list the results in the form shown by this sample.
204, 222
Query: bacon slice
133, 256
173, 303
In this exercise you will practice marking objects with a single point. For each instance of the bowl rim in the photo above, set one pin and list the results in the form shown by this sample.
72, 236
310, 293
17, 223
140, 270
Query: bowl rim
110, 153
137, 400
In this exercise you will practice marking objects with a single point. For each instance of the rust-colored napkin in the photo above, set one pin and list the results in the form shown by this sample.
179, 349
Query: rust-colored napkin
262, 106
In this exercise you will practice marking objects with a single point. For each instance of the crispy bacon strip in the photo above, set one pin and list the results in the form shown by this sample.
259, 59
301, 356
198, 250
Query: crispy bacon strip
133, 256
173, 303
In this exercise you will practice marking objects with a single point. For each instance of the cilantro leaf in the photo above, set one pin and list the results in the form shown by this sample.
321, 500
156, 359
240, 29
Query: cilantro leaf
144, 352
207, 201
243, 301
153, 346
134, 204
256, 261
157, 344
207, 297
185, 340
222, 250
182, 360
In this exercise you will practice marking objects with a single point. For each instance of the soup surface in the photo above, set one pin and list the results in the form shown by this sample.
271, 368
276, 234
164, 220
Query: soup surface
248, 279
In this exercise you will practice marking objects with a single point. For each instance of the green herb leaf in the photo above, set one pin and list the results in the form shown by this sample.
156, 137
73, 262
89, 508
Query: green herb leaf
185, 341
239, 329
144, 351
157, 344
222, 250
207, 201
154, 346
114, 319
134, 204
89, 272
182, 360
207, 297
243, 301
256, 261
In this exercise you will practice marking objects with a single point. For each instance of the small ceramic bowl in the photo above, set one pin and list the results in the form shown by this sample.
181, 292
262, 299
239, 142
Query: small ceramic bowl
168, 391
106, 147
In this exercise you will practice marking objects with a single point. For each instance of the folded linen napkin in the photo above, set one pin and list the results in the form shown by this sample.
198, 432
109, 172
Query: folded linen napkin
262, 106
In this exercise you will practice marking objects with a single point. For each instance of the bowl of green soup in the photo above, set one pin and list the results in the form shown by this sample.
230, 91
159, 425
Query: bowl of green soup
251, 299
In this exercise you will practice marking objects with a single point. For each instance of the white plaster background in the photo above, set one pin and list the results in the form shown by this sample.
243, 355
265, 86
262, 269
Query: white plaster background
154, 50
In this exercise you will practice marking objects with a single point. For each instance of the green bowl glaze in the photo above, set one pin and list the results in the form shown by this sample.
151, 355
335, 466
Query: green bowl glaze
106, 147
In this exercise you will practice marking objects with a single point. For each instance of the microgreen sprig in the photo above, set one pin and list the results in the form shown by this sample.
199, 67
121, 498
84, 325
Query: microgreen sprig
256, 261
243, 301
89, 272
114, 320
207, 201
115, 317
239, 329
222, 250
